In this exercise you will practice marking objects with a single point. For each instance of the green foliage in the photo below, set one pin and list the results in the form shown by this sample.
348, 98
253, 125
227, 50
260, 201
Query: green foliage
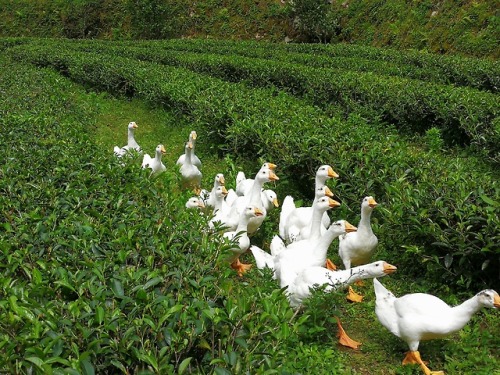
314, 20
103, 271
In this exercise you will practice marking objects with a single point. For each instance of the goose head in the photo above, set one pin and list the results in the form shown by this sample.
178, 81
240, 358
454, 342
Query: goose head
325, 203
489, 298
368, 202
251, 211
192, 136
323, 191
160, 150
195, 202
221, 192
341, 226
266, 175
324, 173
378, 269
219, 179
269, 198
268, 165
132, 125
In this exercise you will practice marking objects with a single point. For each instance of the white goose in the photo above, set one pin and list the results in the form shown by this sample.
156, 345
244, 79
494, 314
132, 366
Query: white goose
220, 211
295, 222
244, 185
156, 165
194, 159
131, 142
190, 174
420, 316
195, 202
277, 247
310, 277
252, 199
218, 181
290, 218
357, 248
241, 236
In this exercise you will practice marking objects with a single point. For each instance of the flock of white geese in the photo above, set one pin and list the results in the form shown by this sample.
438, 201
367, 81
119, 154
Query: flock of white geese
298, 255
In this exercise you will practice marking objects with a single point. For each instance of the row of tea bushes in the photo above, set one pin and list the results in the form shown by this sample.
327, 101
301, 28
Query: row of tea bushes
104, 271
437, 207
463, 115
482, 74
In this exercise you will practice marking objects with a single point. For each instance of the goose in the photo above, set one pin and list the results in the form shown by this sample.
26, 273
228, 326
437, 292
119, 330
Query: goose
323, 173
218, 181
269, 199
295, 222
357, 248
244, 185
190, 174
420, 316
240, 236
131, 143
307, 253
220, 211
252, 199
195, 202
263, 259
194, 159
300, 288
156, 165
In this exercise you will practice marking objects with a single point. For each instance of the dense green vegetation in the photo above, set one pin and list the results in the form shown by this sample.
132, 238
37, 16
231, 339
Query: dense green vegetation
102, 270
464, 27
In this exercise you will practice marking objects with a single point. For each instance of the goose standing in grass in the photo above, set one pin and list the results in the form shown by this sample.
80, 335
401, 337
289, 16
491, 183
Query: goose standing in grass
190, 174
310, 277
218, 181
307, 253
221, 210
194, 159
244, 185
293, 219
195, 202
294, 250
420, 316
156, 165
241, 236
131, 142
253, 199
358, 247
295, 222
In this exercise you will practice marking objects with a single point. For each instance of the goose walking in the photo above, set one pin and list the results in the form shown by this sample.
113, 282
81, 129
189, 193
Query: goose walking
419, 316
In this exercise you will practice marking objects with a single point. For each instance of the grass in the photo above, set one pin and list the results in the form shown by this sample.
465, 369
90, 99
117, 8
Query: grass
381, 352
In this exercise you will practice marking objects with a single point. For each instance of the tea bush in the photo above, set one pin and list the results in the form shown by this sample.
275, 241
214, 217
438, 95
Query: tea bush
464, 115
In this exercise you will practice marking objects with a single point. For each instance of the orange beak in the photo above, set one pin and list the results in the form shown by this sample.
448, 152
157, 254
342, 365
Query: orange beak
349, 227
496, 302
328, 192
275, 202
372, 203
271, 166
272, 176
331, 173
258, 212
163, 151
222, 181
389, 268
224, 191
333, 203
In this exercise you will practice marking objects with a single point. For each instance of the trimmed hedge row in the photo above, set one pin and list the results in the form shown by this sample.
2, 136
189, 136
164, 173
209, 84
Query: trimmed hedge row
465, 116
482, 74
435, 207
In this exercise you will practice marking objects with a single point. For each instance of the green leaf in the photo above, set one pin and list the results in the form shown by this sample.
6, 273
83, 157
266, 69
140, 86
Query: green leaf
87, 367
117, 288
37, 361
154, 281
184, 364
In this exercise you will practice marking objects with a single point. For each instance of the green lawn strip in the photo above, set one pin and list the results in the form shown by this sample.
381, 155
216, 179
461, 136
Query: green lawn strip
464, 116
